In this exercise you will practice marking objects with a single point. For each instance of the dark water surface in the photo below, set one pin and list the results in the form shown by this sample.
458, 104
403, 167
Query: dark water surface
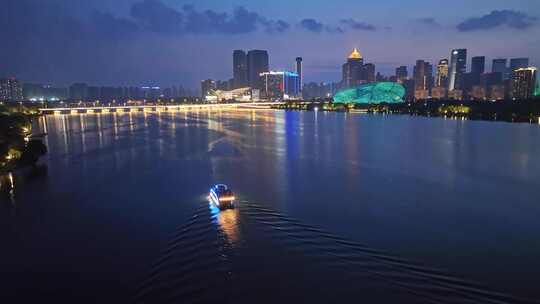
334, 207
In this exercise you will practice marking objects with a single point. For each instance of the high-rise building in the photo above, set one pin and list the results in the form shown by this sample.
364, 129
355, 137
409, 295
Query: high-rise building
207, 86
300, 72
423, 76
523, 83
280, 85
458, 67
240, 69
11, 89
78, 91
518, 63
352, 69
368, 73
442, 74
478, 65
257, 63
499, 66
401, 73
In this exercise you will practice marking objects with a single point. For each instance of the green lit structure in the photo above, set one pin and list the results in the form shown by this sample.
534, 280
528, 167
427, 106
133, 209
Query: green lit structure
372, 93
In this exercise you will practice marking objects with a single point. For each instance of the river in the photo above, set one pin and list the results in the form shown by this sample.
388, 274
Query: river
333, 207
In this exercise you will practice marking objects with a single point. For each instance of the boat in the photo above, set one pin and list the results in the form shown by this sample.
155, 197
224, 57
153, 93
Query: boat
222, 197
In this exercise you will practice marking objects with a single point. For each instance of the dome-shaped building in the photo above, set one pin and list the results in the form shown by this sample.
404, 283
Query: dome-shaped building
372, 93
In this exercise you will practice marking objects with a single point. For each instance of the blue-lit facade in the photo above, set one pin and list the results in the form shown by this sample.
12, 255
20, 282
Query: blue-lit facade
280, 85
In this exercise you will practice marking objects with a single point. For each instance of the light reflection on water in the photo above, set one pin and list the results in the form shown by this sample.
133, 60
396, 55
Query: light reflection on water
459, 195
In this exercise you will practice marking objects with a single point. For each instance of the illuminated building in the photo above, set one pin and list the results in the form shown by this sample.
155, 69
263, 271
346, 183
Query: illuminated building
496, 92
207, 86
280, 85
300, 72
458, 65
518, 63
241, 94
478, 92
421, 94
524, 83
319, 90
438, 93
455, 94
491, 80
257, 63
352, 69
240, 70
372, 93
10, 89
401, 73
423, 79
441, 79
148, 92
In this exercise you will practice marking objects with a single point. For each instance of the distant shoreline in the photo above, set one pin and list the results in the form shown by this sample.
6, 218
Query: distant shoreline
525, 111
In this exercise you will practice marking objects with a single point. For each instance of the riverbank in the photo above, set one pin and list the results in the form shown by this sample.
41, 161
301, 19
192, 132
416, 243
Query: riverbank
19, 150
524, 111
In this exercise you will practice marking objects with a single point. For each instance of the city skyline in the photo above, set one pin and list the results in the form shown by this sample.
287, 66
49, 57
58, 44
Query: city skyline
166, 53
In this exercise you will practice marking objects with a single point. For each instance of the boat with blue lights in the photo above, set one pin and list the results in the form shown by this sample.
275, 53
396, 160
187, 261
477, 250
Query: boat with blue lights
222, 197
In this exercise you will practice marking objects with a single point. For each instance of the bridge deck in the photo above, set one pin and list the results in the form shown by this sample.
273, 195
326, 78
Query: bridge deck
151, 108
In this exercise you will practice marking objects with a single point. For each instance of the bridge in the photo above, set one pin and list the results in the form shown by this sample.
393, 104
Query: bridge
156, 108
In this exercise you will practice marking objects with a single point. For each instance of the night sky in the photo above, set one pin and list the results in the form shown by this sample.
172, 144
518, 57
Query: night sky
172, 42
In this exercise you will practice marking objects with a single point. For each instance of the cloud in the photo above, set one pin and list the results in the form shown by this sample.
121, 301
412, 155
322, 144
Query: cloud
157, 17
357, 25
312, 25
495, 19
105, 24
428, 21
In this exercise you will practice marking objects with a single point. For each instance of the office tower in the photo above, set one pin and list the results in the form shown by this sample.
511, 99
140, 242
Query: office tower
409, 89
352, 69
442, 73
458, 66
478, 65
423, 76
11, 89
300, 72
368, 73
207, 86
523, 83
499, 66
518, 63
240, 69
257, 63
280, 85
78, 91
401, 73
